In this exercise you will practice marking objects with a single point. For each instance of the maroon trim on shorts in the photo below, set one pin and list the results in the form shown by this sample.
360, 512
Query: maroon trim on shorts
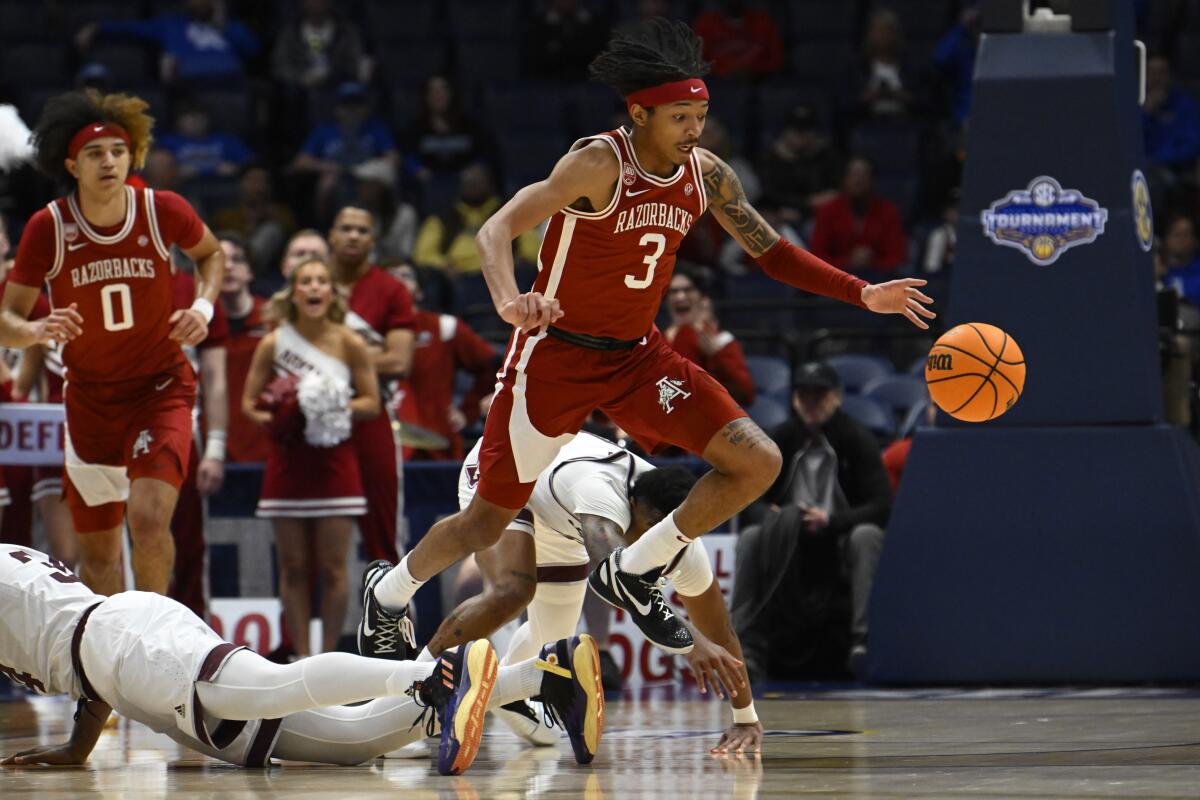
212, 663
226, 731
571, 573
525, 515
89, 692
259, 754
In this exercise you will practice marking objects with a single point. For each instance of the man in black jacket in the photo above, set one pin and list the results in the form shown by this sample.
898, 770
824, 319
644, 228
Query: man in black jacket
833, 490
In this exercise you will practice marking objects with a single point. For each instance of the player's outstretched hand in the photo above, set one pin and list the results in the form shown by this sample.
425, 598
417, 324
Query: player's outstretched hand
62, 325
188, 326
57, 755
744, 738
713, 664
900, 297
530, 311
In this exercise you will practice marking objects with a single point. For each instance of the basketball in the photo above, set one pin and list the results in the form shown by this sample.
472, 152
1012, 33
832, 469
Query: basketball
975, 372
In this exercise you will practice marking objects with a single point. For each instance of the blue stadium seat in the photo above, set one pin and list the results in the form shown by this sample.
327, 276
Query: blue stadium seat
917, 367
38, 65
858, 369
871, 414
768, 413
535, 108
898, 392
488, 63
484, 19
821, 20
915, 418
772, 377
127, 63
418, 20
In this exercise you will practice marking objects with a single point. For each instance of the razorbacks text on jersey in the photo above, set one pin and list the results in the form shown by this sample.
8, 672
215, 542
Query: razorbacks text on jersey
610, 268
120, 278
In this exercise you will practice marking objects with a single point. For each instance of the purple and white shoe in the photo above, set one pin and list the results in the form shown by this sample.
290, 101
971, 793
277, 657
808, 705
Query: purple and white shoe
459, 690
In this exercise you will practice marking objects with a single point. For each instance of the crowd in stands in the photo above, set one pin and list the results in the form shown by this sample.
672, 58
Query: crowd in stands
845, 122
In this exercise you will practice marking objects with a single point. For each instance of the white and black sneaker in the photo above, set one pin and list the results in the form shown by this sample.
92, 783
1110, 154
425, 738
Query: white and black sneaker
526, 718
640, 597
381, 633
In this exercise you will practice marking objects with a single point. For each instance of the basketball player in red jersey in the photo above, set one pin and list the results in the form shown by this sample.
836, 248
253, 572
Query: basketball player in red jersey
619, 204
381, 312
103, 252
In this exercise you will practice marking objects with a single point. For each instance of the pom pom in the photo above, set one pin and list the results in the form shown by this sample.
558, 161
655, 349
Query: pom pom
279, 398
15, 147
325, 402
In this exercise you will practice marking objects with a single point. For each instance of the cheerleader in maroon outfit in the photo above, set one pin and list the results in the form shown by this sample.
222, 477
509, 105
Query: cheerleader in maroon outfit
311, 487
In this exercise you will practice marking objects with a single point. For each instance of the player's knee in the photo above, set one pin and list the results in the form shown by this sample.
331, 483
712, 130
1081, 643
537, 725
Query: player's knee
763, 464
484, 523
149, 519
514, 594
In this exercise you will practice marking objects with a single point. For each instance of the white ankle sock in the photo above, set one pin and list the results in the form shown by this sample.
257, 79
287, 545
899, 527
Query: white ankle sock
655, 548
518, 682
396, 588
425, 655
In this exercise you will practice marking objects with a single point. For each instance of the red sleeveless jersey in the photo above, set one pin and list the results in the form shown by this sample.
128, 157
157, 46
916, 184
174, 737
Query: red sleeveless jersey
610, 269
119, 277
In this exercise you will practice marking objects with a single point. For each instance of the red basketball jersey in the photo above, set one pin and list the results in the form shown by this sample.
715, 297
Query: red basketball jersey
609, 269
119, 277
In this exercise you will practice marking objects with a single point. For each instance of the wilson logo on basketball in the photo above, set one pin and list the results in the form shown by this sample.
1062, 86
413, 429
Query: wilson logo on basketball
940, 361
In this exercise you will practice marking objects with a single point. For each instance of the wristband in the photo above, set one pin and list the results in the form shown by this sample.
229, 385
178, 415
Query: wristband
205, 307
745, 716
789, 264
214, 447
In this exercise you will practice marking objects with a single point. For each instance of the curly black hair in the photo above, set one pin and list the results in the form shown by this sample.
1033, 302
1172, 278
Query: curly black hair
66, 114
652, 52
663, 489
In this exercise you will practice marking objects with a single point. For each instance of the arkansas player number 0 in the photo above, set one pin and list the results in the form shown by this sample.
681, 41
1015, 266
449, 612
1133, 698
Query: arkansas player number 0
660, 244
110, 297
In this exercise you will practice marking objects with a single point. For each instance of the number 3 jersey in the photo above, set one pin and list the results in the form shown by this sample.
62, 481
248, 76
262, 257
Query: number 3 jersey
41, 602
120, 278
609, 269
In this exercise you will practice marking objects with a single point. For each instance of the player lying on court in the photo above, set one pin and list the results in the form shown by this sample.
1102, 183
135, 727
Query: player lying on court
594, 496
618, 206
154, 661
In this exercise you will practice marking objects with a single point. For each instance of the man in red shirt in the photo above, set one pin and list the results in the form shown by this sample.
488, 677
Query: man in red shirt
695, 335
859, 229
103, 251
247, 441
381, 312
740, 41
444, 345
206, 471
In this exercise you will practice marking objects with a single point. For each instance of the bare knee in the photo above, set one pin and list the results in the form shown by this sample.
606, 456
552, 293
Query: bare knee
513, 595
334, 578
149, 519
482, 523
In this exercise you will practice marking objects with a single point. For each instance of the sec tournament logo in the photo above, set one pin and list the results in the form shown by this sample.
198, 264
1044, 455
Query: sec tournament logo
1143, 215
1044, 220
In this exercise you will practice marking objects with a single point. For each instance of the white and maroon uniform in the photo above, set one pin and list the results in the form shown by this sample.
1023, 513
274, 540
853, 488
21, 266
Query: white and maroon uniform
609, 270
139, 652
129, 391
301, 480
379, 304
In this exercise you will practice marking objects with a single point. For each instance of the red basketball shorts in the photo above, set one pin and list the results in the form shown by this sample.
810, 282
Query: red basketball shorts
119, 432
549, 387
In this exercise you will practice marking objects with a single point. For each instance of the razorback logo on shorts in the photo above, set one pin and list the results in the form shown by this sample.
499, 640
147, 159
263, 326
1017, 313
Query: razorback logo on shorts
668, 391
472, 475
142, 443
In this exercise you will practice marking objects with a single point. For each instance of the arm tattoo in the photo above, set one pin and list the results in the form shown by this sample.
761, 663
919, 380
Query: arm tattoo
727, 198
744, 431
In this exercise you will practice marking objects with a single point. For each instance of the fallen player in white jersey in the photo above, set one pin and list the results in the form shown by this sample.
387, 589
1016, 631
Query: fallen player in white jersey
154, 661
594, 496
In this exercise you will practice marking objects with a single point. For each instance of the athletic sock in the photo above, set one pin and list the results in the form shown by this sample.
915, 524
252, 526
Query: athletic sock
656, 548
518, 682
397, 587
425, 655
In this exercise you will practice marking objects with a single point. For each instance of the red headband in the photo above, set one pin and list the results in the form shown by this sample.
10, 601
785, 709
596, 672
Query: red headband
674, 92
95, 130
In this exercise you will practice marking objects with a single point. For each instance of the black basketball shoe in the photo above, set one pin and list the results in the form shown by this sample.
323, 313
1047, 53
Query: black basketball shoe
640, 598
572, 692
381, 633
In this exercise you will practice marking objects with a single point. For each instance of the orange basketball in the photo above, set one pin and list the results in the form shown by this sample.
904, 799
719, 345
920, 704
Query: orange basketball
975, 372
